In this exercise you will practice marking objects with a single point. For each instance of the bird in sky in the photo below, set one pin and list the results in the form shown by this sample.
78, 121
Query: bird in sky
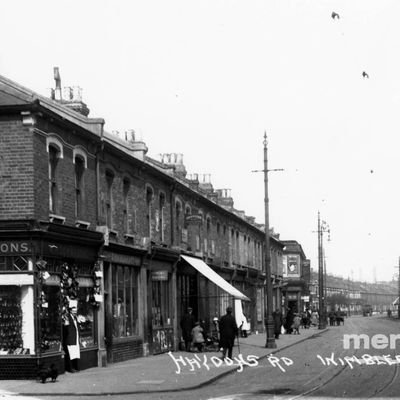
365, 75
335, 15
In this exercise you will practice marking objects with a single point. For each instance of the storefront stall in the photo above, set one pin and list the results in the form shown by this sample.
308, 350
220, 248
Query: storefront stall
40, 272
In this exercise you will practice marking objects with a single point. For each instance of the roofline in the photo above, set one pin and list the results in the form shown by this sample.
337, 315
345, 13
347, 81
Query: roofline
94, 125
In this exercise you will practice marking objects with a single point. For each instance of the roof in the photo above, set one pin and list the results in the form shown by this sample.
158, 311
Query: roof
292, 246
15, 95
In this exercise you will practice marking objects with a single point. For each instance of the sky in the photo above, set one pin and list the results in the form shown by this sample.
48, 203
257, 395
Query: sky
207, 79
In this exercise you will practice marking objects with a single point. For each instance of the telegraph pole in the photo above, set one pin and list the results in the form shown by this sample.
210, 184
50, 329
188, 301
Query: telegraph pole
322, 226
270, 340
269, 321
398, 301
321, 324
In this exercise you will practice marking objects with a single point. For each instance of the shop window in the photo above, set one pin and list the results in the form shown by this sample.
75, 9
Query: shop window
124, 302
50, 319
161, 308
16, 320
85, 317
79, 186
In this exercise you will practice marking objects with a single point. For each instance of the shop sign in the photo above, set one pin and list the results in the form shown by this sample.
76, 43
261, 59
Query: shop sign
293, 265
159, 275
184, 235
306, 298
292, 296
10, 248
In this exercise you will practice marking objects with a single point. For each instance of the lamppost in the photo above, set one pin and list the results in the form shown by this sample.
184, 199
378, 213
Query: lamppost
398, 300
270, 340
322, 227
269, 322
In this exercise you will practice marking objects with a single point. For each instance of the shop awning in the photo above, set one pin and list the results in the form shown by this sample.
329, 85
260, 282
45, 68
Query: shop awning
396, 302
210, 274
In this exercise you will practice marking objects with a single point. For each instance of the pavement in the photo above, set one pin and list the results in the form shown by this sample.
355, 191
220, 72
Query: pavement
168, 372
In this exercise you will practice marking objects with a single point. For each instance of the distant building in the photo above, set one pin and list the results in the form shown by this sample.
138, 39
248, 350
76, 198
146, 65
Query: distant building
296, 276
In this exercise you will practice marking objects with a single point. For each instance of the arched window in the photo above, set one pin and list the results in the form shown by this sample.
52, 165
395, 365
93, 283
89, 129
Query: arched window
79, 186
161, 211
178, 222
54, 155
149, 201
126, 186
109, 198
188, 212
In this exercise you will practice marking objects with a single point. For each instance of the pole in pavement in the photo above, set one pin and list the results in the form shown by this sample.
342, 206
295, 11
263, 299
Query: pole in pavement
398, 300
321, 321
270, 341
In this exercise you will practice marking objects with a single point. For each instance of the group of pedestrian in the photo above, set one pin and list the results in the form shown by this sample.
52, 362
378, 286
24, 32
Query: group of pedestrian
194, 333
292, 321
335, 317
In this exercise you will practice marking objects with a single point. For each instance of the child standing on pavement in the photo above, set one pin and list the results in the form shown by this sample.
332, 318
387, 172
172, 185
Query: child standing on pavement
296, 324
198, 337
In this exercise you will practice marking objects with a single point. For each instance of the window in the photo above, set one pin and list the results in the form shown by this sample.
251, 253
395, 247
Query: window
161, 216
188, 211
109, 199
178, 212
16, 320
54, 155
79, 186
124, 301
125, 195
149, 201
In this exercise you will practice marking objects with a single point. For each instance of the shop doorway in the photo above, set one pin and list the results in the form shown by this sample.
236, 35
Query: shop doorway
292, 304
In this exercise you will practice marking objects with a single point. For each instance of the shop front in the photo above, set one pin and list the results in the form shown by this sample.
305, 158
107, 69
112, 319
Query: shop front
40, 273
162, 303
123, 302
209, 293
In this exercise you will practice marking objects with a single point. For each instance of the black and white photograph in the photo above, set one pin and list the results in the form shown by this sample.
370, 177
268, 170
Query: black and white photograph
200, 199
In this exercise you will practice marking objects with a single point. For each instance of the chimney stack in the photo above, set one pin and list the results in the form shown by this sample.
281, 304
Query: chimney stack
72, 95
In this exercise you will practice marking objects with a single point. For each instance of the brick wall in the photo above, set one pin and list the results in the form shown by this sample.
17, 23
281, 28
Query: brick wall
65, 176
16, 170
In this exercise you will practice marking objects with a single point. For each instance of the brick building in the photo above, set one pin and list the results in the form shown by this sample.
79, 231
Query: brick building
87, 218
296, 277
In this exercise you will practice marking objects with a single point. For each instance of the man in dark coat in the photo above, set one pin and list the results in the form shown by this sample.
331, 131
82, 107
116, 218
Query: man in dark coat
71, 341
289, 321
187, 324
228, 330
278, 320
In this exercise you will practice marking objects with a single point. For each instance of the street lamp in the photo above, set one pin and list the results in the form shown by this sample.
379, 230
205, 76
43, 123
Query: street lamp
270, 341
269, 322
398, 300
